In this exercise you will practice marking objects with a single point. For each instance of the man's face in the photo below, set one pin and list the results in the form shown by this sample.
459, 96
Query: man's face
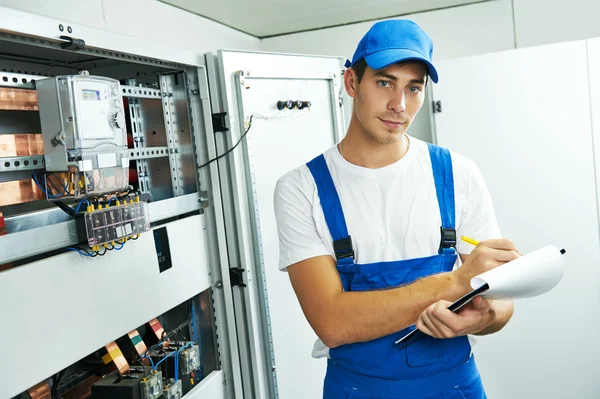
386, 101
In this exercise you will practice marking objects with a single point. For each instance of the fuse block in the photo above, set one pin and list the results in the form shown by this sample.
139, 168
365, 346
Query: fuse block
173, 391
189, 359
114, 223
152, 386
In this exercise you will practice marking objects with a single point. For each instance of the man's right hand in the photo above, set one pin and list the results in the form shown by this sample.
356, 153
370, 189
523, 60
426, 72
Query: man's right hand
486, 256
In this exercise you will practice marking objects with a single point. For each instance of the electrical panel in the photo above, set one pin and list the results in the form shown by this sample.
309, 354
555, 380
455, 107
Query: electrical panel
85, 139
152, 386
189, 359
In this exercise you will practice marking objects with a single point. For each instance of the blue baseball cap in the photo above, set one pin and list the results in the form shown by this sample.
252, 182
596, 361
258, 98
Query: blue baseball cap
393, 41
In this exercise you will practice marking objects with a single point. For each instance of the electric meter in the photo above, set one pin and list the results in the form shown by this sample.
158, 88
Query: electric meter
85, 139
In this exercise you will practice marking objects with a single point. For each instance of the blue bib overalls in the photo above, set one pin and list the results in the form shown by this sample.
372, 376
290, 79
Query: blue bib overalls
380, 369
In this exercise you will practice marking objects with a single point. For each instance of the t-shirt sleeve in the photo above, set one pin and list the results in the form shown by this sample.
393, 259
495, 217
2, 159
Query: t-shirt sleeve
296, 227
478, 217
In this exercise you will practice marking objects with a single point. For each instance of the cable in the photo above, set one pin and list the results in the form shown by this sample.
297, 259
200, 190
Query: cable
35, 179
163, 359
177, 367
151, 362
232, 148
120, 248
65, 208
81, 203
143, 366
194, 322
80, 252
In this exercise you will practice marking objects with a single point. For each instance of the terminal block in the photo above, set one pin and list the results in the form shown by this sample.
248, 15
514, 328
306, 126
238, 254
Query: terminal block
189, 359
113, 224
151, 387
173, 390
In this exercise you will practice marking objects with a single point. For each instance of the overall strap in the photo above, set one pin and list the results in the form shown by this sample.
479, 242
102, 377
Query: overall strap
441, 162
332, 208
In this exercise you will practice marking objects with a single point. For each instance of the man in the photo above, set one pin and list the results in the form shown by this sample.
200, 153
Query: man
368, 235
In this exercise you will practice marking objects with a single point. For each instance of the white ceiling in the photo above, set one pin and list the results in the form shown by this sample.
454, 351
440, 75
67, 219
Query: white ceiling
264, 18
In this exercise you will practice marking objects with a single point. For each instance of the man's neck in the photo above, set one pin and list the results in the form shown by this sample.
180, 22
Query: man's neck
360, 149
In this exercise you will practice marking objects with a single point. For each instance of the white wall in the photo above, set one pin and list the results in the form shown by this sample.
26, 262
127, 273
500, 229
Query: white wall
88, 12
145, 19
549, 21
162, 23
456, 32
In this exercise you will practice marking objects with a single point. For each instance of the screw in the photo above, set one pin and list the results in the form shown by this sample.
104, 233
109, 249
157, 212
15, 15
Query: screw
61, 28
69, 29
247, 73
242, 82
219, 284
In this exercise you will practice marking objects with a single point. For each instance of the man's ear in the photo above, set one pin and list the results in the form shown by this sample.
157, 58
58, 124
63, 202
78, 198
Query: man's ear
350, 82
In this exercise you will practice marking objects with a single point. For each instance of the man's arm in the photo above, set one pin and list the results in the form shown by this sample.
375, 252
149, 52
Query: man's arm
340, 317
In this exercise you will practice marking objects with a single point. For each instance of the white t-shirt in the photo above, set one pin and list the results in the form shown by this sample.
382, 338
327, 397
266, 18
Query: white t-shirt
392, 213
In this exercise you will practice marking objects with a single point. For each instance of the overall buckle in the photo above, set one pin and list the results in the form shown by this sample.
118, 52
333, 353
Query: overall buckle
343, 248
448, 239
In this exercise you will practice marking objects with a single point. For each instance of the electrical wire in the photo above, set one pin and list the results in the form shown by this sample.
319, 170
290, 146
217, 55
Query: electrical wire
37, 182
194, 322
142, 364
80, 252
232, 148
163, 359
120, 248
81, 203
151, 361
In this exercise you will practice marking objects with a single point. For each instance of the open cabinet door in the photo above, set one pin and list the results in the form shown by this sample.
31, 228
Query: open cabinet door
275, 340
524, 117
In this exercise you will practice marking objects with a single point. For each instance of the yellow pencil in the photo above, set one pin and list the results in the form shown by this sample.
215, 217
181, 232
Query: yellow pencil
470, 240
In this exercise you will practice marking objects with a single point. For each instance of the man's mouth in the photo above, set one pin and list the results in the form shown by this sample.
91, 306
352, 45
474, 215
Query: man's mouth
392, 123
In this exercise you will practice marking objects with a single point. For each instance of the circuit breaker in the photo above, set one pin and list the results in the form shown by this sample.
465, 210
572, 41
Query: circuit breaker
85, 138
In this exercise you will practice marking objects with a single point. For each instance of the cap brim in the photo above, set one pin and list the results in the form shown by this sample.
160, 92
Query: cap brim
385, 58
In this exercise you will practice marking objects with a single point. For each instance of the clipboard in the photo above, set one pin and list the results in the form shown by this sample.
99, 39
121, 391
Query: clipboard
455, 307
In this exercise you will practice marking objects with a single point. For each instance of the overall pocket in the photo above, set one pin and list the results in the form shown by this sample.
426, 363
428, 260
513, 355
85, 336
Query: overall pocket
425, 351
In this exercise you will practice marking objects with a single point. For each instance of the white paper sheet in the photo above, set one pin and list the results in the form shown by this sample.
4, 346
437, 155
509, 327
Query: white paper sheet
528, 276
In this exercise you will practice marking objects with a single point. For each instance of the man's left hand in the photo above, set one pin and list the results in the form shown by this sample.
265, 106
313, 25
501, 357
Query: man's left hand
439, 322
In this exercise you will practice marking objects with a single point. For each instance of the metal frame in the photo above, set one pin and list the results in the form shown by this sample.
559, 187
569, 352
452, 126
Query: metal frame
197, 85
13, 164
174, 160
33, 162
230, 216
176, 128
136, 127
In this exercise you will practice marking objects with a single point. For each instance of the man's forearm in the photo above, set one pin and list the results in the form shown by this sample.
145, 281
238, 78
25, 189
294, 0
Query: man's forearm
501, 312
364, 316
